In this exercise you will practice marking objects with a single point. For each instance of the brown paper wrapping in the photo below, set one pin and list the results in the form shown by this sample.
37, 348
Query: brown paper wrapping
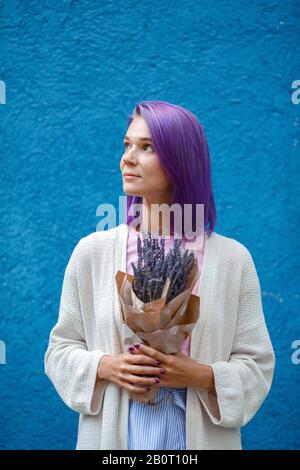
162, 326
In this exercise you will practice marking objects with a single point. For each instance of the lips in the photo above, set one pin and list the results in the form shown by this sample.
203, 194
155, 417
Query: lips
131, 174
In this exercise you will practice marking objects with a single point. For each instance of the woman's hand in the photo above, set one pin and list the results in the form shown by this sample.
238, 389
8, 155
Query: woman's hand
126, 370
180, 370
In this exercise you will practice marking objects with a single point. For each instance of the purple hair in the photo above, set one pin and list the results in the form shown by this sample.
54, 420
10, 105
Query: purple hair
182, 149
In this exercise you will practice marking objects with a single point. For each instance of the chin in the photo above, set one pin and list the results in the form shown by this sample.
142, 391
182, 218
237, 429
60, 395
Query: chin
129, 193
128, 189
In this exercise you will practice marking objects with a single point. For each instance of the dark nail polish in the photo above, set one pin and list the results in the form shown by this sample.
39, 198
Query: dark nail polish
137, 346
156, 381
162, 371
157, 363
131, 349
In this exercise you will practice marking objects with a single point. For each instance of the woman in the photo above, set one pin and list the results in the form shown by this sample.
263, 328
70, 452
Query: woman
224, 371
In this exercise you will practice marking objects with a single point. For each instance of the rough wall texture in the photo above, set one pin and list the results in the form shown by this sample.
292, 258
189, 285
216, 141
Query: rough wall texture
73, 72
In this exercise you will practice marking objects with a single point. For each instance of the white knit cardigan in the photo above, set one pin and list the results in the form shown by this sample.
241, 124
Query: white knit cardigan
230, 335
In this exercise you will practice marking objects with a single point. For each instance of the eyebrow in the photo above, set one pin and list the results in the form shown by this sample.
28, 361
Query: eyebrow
141, 139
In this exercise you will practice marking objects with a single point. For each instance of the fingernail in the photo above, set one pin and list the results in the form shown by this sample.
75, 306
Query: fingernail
131, 349
148, 388
156, 381
137, 346
162, 371
157, 363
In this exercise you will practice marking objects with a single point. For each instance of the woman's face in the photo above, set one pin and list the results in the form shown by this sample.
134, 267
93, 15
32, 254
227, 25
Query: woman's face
140, 159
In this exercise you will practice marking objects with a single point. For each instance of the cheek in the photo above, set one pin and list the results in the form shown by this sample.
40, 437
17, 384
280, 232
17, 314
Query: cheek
157, 175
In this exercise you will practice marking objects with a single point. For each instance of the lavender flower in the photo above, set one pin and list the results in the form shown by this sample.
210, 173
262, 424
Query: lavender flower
153, 268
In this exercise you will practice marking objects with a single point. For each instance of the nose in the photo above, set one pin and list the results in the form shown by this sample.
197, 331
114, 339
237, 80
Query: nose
129, 157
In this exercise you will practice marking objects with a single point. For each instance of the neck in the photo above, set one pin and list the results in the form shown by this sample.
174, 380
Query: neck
154, 225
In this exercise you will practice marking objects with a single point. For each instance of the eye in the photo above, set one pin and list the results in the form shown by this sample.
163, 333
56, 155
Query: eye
148, 145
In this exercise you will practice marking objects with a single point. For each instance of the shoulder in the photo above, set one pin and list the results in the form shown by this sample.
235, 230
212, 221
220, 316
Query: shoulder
231, 245
230, 250
95, 242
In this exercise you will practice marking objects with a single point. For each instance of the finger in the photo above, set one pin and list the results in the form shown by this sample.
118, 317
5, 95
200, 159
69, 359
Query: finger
159, 356
142, 359
179, 354
146, 370
137, 380
133, 350
136, 389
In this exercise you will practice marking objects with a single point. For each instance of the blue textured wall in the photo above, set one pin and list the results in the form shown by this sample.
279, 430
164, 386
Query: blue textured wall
73, 72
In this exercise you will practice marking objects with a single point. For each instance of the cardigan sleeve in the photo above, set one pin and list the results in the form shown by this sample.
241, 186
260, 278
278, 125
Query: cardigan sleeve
243, 382
68, 364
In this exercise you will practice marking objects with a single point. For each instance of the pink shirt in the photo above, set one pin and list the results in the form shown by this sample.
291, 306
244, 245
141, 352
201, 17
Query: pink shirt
185, 244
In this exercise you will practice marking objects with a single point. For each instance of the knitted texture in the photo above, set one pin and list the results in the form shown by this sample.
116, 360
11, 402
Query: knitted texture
230, 334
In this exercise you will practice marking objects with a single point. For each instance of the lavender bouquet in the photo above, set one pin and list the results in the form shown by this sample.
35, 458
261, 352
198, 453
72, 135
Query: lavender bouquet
156, 302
